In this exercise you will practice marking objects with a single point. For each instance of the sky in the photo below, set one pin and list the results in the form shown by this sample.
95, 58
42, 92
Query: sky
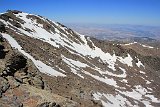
137, 12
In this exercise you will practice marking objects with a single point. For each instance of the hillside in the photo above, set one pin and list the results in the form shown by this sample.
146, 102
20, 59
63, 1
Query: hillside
44, 62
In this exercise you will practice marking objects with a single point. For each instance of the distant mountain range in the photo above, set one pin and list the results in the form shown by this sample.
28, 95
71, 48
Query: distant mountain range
119, 32
47, 64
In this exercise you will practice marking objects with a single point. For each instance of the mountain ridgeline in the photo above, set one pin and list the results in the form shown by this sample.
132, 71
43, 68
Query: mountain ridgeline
46, 64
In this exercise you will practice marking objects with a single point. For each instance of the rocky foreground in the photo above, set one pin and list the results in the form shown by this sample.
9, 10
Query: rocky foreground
21, 83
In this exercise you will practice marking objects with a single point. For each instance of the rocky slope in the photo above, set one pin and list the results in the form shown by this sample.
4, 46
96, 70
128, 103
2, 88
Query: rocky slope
21, 83
49, 63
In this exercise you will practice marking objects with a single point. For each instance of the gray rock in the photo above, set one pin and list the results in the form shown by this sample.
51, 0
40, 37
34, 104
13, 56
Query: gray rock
0, 93
1, 37
19, 80
57, 105
4, 72
15, 63
52, 104
37, 82
16, 24
45, 104
13, 83
4, 85
2, 27
4, 17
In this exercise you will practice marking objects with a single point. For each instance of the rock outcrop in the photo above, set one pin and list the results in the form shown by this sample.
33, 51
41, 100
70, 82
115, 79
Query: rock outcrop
19, 77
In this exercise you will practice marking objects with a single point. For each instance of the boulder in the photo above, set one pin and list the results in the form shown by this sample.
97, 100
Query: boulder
1, 37
52, 104
37, 82
4, 85
45, 104
2, 27
16, 24
2, 52
4, 17
48, 104
13, 83
16, 62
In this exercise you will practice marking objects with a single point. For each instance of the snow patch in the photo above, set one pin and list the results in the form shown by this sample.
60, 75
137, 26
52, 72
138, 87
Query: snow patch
73, 62
40, 65
139, 64
146, 46
141, 94
142, 72
109, 81
109, 100
129, 43
127, 60
74, 65
123, 75
124, 80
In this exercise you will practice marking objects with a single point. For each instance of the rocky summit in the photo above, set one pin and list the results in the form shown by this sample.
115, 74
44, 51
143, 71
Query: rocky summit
46, 64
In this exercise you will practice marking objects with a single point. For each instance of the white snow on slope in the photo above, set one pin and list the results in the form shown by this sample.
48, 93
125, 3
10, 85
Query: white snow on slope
81, 49
102, 72
109, 81
73, 62
75, 66
139, 63
109, 100
55, 39
39, 32
76, 69
127, 60
40, 65
141, 94
142, 72
129, 43
146, 46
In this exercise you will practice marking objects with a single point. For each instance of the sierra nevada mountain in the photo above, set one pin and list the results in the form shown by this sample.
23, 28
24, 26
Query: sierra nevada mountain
56, 66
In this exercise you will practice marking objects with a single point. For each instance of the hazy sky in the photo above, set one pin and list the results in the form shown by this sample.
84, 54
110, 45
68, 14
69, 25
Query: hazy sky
143, 12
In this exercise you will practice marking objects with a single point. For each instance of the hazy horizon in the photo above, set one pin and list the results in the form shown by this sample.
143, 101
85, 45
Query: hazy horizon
134, 12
